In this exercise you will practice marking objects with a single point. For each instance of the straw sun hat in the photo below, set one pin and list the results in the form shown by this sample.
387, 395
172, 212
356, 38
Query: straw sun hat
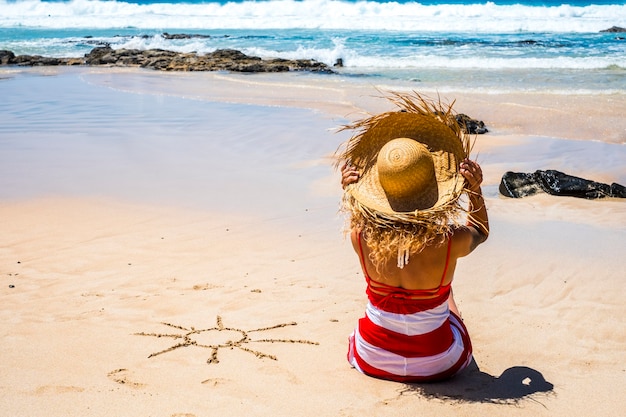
408, 161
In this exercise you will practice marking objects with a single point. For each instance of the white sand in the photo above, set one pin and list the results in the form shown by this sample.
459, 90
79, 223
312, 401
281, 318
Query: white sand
83, 274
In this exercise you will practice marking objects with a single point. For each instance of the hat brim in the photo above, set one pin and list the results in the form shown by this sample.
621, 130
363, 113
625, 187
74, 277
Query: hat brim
444, 144
370, 193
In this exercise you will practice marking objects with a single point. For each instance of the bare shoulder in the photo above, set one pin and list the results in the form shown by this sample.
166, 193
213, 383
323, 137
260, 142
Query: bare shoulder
354, 238
465, 239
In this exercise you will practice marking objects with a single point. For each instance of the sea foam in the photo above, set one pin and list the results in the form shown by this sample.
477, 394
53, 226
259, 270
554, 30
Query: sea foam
313, 14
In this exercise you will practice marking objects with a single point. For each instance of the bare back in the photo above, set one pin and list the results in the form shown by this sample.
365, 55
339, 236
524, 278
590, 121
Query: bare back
427, 270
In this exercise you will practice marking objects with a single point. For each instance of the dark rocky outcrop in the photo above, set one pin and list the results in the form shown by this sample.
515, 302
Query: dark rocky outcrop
184, 36
9, 58
471, 126
6, 57
467, 124
163, 60
614, 29
519, 184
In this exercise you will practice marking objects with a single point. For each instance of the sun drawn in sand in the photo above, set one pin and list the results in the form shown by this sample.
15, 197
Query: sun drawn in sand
213, 339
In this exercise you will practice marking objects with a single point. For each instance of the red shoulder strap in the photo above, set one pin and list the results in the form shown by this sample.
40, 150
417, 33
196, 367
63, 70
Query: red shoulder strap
445, 269
362, 257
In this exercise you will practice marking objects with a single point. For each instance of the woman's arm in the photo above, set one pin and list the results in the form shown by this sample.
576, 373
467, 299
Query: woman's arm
477, 228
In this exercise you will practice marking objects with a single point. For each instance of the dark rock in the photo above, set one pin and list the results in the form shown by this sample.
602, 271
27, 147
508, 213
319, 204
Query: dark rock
309, 65
339, 62
231, 54
97, 43
75, 61
37, 61
614, 29
98, 54
519, 184
47, 61
163, 60
6, 57
471, 126
184, 36
255, 67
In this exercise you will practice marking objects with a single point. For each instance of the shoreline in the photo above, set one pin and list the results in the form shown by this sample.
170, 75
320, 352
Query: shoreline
505, 113
348, 97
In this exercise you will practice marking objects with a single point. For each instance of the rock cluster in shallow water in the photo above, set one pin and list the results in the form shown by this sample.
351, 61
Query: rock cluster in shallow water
614, 29
158, 59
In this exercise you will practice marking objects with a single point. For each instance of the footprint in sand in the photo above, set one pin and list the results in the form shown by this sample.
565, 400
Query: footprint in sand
57, 389
214, 382
121, 376
204, 287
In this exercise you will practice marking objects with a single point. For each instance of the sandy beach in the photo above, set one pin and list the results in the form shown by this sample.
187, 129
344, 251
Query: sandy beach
170, 245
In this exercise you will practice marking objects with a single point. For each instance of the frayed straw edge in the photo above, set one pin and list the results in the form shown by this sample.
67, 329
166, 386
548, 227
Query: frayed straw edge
414, 103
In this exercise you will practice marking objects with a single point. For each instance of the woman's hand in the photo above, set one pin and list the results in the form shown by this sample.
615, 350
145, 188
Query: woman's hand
349, 174
472, 172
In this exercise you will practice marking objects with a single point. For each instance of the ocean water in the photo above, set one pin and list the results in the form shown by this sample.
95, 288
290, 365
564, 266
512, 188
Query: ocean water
496, 45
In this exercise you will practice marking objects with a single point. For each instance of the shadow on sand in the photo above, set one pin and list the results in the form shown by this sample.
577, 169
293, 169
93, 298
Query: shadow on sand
473, 385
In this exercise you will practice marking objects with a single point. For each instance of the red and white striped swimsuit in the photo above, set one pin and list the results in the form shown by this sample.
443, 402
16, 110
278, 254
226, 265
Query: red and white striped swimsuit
408, 339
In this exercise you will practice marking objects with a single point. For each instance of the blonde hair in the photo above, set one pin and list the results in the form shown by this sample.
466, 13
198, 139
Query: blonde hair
396, 239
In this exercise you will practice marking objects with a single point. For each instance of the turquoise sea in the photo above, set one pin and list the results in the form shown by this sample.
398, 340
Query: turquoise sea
473, 44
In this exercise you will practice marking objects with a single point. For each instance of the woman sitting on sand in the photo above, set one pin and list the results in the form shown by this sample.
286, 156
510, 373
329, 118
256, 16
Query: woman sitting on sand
406, 173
